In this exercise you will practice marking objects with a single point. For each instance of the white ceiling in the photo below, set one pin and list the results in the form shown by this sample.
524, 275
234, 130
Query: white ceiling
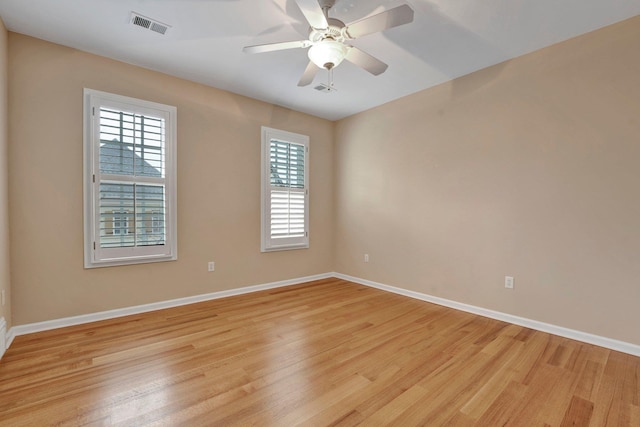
448, 39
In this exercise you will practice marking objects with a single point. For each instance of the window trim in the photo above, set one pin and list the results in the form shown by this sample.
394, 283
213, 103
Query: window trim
92, 100
266, 243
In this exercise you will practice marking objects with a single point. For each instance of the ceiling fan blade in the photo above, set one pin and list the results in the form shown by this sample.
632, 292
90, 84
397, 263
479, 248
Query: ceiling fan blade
308, 75
366, 61
270, 47
391, 18
313, 12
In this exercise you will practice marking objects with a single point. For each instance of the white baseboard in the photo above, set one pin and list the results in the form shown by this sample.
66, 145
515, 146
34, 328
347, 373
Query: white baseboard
9, 338
609, 343
612, 344
3, 336
120, 312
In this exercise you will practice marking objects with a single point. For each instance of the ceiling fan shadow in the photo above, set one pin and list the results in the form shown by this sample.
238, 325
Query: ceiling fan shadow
296, 22
449, 48
275, 29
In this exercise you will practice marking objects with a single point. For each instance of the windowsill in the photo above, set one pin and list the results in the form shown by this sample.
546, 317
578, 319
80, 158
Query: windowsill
130, 261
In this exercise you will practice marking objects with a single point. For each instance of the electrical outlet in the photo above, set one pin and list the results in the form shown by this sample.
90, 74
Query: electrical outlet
366, 257
508, 282
211, 266
2, 297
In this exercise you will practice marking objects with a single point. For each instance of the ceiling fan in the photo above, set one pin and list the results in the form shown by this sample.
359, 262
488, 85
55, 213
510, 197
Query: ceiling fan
328, 38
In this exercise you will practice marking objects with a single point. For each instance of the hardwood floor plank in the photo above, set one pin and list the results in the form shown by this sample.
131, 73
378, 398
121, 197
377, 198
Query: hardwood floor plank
480, 402
578, 413
397, 407
502, 410
324, 353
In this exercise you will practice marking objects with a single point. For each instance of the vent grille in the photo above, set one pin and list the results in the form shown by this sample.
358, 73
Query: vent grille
158, 28
148, 23
141, 22
325, 88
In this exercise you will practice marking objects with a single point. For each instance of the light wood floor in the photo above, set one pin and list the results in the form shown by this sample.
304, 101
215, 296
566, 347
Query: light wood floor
329, 352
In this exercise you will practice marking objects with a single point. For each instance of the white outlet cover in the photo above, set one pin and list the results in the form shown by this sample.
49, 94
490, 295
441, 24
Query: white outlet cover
508, 282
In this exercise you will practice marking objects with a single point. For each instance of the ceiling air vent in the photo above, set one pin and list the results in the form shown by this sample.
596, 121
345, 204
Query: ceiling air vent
148, 23
325, 88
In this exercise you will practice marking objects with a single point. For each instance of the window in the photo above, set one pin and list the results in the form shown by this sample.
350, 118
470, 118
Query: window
120, 224
130, 180
285, 190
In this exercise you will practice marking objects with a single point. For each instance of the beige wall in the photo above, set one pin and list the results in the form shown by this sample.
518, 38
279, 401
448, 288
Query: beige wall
218, 187
5, 311
529, 168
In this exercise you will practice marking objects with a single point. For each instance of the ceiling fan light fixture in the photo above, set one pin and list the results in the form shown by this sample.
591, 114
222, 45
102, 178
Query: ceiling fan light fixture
327, 53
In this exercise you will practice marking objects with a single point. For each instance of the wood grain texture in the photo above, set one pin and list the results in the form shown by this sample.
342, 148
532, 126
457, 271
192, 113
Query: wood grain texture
328, 352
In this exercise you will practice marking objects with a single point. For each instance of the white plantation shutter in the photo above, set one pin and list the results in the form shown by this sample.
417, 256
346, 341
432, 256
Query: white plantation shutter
129, 180
285, 190
287, 214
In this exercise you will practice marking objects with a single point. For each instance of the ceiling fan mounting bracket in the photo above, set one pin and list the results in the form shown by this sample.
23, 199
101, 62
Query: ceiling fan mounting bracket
326, 4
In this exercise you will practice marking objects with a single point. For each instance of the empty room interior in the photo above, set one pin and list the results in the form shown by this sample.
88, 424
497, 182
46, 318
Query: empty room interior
303, 212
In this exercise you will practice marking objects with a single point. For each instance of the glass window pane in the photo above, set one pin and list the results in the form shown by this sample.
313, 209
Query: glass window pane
150, 215
131, 144
116, 215
287, 164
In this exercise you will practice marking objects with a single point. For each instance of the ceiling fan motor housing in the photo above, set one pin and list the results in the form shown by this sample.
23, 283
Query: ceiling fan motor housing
336, 30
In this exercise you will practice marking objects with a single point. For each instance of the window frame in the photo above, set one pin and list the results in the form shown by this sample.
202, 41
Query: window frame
94, 255
267, 244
